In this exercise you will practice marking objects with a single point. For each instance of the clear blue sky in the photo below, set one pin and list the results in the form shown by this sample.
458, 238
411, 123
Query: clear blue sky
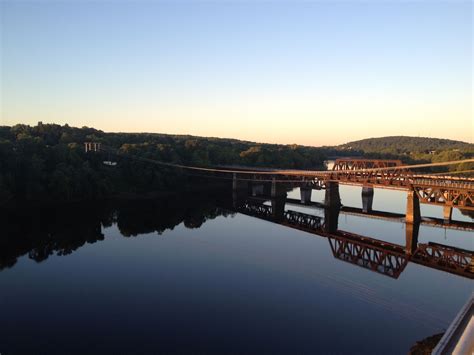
290, 72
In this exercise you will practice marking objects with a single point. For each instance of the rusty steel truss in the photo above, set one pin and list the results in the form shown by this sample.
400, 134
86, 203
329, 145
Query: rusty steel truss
453, 195
289, 218
389, 174
381, 257
358, 164
454, 260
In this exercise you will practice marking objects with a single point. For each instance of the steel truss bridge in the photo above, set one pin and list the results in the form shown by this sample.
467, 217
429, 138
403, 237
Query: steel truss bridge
443, 190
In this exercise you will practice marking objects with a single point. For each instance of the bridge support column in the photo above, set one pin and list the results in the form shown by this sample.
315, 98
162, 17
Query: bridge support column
413, 208
447, 213
331, 219
332, 198
237, 199
278, 208
257, 189
238, 184
278, 189
411, 231
367, 199
305, 193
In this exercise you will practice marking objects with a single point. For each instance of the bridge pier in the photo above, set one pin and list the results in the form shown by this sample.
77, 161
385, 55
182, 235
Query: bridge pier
278, 208
257, 190
411, 232
305, 194
367, 199
331, 197
413, 208
238, 197
238, 184
447, 213
278, 189
331, 219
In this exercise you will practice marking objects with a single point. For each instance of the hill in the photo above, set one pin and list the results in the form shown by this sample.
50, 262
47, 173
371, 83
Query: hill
47, 162
406, 145
412, 150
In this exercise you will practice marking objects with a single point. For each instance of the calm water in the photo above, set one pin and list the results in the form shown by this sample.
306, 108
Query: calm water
189, 274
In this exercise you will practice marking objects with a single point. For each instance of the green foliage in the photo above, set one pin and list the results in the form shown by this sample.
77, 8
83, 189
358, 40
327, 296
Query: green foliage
399, 145
48, 161
413, 150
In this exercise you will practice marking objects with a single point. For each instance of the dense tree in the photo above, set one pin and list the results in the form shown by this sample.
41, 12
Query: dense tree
48, 161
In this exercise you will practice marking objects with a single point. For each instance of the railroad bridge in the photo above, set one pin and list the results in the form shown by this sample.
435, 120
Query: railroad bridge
446, 190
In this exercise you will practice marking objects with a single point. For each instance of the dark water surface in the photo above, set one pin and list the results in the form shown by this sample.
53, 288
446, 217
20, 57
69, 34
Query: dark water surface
188, 273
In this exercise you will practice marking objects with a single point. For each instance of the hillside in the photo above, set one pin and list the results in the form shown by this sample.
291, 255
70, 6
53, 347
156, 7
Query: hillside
48, 162
413, 150
404, 144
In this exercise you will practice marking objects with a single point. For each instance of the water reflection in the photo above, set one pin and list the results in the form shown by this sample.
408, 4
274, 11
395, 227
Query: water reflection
371, 253
40, 233
290, 278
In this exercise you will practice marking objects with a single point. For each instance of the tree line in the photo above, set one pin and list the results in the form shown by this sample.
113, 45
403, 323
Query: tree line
47, 162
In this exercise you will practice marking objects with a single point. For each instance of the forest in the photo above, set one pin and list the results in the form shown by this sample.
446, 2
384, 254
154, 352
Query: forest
48, 162
414, 149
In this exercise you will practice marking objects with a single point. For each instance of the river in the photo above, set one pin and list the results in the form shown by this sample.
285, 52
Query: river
189, 273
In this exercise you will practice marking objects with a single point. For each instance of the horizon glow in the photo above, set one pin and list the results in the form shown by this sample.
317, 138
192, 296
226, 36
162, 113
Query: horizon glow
310, 73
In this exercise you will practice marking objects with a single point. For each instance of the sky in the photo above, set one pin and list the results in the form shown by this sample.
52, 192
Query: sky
305, 72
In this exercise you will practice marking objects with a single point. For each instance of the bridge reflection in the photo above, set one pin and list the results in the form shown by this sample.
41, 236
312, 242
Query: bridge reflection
62, 231
379, 256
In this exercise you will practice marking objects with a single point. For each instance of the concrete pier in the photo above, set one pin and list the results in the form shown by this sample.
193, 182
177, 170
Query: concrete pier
332, 198
367, 199
411, 232
413, 208
278, 208
278, 189
331, 219
305, 193
238, 184
447, 213
257, 189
